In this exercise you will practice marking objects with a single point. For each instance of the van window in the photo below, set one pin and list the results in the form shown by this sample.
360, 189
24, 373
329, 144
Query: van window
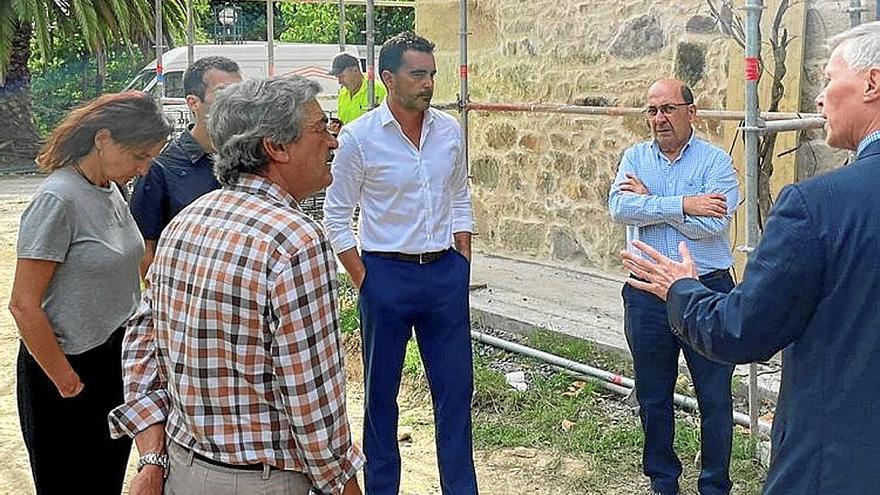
174, 85
146, 80
141, 81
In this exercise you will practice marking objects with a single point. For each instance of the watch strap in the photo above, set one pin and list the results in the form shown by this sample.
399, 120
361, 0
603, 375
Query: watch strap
155, 459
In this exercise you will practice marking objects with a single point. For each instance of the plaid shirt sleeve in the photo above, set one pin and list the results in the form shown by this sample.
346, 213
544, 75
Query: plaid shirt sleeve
146, 399
308, 361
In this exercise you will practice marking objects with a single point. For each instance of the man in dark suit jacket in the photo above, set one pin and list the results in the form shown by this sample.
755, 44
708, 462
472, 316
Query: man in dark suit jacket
811, 287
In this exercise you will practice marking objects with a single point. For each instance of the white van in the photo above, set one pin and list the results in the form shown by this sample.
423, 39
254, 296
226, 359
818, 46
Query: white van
308, 60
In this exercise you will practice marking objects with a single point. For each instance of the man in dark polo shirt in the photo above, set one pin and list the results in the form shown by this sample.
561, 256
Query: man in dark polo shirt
184, 170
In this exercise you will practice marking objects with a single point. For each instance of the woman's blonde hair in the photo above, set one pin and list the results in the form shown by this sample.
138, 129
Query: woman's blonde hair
132, 118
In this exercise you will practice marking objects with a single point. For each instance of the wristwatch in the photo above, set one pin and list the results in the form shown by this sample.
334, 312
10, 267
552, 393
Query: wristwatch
156, 459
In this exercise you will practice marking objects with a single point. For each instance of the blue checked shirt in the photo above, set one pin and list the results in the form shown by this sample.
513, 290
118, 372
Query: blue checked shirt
657, 219
870, 138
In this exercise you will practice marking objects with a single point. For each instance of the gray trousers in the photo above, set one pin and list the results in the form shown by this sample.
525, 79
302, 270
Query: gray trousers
191, 476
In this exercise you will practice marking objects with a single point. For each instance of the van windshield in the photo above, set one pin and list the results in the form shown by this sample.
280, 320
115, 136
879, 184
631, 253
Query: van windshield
145, 80
140, 82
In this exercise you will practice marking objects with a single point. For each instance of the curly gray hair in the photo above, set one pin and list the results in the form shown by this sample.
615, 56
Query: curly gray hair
244, 113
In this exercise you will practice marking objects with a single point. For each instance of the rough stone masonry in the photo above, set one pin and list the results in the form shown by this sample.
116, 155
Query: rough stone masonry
540, 181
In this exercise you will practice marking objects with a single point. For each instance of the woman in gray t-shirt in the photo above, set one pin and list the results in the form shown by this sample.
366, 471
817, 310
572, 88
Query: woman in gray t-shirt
76, 284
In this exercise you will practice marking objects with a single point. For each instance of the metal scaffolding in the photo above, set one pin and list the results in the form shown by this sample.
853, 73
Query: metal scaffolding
751, 129
371, 56
270, 35
755, 122
160, 76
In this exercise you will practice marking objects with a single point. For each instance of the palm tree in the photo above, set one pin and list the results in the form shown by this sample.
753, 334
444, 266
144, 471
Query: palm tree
102, 23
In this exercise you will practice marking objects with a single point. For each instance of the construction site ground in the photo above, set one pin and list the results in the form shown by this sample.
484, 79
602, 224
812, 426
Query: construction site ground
508, 294
519, 295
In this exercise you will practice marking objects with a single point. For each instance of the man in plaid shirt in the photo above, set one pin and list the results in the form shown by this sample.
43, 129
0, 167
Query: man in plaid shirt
234, 373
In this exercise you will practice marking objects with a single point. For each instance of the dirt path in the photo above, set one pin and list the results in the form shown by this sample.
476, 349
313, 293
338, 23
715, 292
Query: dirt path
518, 471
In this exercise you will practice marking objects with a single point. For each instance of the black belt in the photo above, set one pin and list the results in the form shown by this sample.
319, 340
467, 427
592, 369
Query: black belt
714, 274
421, 258
709, 276
242, 467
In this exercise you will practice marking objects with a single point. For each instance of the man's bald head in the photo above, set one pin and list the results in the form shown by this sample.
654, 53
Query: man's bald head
670, 111
675, 86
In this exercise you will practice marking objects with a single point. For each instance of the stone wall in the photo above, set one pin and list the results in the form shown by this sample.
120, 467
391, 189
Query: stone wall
825, 18
541, 181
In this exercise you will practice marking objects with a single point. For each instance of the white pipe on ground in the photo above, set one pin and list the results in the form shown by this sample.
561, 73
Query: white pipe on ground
606, 379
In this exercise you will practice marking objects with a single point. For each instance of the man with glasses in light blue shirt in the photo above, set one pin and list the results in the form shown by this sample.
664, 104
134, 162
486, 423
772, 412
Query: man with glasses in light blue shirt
809, 290
677, 187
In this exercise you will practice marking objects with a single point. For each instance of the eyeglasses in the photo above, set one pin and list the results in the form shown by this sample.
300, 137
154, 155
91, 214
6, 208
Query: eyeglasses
665, 109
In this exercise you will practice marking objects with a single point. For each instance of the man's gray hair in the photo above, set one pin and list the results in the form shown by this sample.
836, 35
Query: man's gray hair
244, 113
861, 46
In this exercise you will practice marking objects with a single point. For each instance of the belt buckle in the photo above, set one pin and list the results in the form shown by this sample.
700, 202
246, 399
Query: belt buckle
422, 259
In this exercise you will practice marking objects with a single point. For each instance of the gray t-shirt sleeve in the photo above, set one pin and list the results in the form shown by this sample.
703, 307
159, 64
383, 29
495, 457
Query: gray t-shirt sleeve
45, 231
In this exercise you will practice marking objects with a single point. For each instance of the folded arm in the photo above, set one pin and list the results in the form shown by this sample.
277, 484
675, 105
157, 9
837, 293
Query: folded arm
722, 181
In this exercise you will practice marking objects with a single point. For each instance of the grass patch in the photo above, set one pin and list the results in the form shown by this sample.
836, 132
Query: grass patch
565, 418
578, 350
349, 318
574, 420
507, 418
412, 361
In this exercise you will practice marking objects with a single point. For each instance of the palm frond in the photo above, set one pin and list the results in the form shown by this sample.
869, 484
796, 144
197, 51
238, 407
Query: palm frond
7, 27
102, 23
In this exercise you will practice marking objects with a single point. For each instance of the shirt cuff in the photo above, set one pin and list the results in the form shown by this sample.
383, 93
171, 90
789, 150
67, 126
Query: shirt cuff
463, 225
342, 242
134, 417
676, 299
349, 465
672, 207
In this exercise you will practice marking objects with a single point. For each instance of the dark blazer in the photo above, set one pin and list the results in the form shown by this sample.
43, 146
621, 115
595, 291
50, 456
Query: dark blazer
812, 288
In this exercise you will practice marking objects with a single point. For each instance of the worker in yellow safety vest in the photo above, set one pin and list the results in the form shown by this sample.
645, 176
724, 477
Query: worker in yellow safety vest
353, 100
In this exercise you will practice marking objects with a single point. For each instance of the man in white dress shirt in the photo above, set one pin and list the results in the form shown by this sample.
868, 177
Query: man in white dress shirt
402, 164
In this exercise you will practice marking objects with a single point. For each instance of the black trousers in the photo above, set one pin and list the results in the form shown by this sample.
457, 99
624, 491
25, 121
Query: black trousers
68, 440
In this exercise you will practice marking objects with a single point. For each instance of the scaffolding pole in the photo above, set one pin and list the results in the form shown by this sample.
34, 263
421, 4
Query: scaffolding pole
464, 96
160, 75
798, 119
793, 125
190, 34
270, 35
341, 26
855, 12
751, 129
371, 57
377, 3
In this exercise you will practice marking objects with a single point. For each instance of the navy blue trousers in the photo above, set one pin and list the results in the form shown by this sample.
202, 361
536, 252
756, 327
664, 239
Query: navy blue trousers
655, 351
395, 297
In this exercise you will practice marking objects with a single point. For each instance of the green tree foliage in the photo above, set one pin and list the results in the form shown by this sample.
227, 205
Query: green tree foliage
70, 78
319, 23
252, 20
201, 15
311, 23
101, 25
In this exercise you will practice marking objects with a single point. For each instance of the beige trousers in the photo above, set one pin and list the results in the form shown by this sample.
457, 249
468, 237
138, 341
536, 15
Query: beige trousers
190, 476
